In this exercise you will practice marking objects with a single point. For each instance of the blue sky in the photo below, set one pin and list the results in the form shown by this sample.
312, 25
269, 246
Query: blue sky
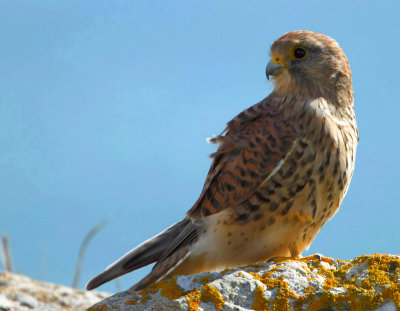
105, 107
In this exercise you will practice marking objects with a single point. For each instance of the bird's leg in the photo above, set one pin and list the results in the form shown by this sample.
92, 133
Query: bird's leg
294, 254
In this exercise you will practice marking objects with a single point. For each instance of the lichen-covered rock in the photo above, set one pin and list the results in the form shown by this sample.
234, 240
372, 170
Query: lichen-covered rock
365, 283
20, 293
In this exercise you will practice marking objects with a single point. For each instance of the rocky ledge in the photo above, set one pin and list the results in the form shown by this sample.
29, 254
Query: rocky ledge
20, 293
366, 283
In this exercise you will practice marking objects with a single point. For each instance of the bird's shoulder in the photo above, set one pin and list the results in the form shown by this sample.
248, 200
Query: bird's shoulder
250, 148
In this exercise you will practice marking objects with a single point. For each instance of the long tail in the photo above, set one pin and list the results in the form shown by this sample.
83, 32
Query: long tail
152, 250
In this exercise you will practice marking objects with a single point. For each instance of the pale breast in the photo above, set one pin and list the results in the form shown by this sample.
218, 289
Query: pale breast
309, 185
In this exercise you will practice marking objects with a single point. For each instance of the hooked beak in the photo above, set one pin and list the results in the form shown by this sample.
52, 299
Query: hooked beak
272, 68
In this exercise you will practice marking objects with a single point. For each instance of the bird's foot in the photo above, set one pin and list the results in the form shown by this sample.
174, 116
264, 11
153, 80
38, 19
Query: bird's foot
320, 258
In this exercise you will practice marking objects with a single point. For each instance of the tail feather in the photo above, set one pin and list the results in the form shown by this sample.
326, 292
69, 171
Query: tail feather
174, 254
162, 269
144, 254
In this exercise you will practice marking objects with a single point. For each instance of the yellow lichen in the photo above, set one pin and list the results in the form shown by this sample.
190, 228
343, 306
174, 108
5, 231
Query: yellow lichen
209, 293
193, 298
142, 296
379, 285
225, 271
396, 298
260, 302
309, 289
281, 301
205, 279
102, 307
168, 288
171, 290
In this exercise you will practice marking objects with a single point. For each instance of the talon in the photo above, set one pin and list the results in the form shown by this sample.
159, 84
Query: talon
320, 258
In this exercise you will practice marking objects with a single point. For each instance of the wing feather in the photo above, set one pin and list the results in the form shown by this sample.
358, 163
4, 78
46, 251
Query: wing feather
254, 145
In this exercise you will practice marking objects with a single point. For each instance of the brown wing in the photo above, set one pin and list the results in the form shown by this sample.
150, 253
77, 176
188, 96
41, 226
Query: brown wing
254, 143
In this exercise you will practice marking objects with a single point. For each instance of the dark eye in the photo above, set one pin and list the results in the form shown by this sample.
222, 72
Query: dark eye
298, 53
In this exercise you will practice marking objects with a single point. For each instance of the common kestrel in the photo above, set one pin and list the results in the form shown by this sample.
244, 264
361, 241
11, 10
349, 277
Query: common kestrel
282, 169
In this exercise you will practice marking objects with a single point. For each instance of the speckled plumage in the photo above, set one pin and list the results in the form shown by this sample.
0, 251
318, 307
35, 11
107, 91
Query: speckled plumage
282, 169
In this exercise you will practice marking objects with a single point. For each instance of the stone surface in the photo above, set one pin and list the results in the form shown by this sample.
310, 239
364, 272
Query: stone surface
365, 283
18, 292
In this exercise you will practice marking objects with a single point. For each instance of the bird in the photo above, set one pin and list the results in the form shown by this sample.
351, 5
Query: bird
280, 172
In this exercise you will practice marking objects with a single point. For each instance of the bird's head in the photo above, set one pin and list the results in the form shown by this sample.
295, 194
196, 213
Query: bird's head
309, 63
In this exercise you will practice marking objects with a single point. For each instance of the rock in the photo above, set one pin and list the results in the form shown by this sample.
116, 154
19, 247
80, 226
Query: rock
18, 292
365, 283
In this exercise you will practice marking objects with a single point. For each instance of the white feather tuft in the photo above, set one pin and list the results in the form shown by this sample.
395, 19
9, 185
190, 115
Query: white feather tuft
212, 140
